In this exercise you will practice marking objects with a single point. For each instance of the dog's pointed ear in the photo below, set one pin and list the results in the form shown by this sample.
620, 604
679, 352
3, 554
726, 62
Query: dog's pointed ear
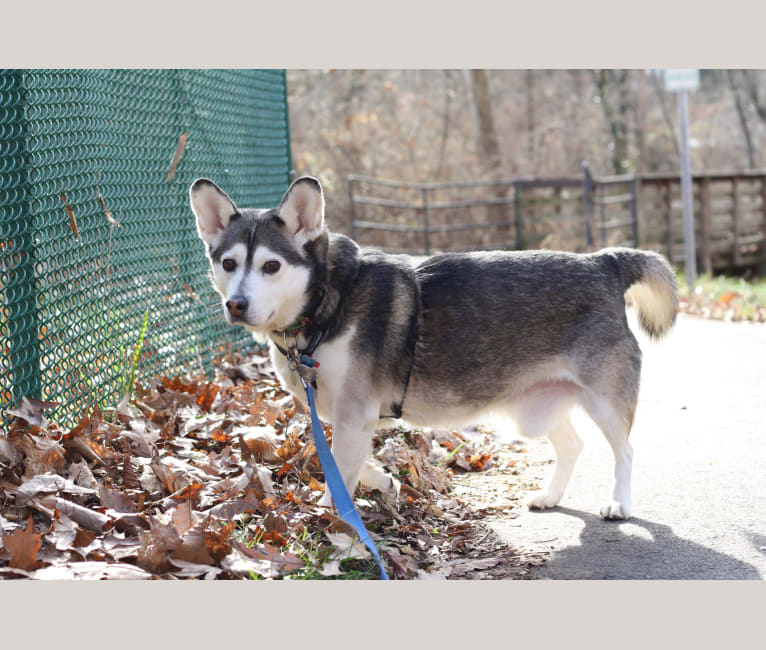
302, 208
212, 207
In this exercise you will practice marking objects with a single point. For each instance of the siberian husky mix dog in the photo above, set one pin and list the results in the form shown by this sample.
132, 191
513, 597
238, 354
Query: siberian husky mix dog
461, 336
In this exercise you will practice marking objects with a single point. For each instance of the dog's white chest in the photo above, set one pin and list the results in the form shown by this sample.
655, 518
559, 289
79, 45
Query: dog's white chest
334, 360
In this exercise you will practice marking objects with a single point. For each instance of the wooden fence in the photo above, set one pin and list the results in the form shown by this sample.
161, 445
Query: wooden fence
578, 213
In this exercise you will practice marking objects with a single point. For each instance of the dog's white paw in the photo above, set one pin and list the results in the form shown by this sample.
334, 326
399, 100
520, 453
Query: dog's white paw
375, 477
615, 510
544, 499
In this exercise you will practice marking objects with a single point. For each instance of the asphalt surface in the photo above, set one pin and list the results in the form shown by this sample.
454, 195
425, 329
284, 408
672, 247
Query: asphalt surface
699, 469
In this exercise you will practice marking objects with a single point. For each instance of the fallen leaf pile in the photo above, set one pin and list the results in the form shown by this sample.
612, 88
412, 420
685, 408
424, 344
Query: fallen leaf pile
219, 480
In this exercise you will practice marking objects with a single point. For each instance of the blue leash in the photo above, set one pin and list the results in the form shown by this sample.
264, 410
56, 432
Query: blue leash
340, 495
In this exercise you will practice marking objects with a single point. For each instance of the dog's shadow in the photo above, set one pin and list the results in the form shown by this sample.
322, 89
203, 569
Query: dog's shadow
616, 550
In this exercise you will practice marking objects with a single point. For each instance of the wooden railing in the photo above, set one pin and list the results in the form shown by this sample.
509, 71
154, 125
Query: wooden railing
579, 213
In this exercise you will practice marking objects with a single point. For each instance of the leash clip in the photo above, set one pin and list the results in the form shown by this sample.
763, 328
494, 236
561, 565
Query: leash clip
301, 364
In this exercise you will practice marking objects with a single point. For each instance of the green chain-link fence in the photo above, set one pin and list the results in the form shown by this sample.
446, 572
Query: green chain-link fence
94, 231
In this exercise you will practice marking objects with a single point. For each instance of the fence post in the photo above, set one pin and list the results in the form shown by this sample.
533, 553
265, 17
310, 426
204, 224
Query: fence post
17, 265
602, 213
669, 217
351, 211
517, 216
426, 239
763, 225
707, 260
634, 210
587, 199
736, 252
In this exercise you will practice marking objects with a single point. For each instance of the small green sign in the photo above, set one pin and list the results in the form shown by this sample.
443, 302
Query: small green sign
676, 80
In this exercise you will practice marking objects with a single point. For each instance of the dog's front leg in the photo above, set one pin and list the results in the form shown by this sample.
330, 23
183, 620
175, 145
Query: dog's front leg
352, 431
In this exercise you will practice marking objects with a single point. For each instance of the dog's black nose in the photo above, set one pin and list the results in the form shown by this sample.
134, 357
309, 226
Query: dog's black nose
236, 305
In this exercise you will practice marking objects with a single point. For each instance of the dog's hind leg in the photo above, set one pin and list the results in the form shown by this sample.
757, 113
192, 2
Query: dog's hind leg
615, 425
544, 410
568, 445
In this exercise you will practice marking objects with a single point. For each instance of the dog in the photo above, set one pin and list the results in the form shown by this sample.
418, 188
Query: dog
460, 336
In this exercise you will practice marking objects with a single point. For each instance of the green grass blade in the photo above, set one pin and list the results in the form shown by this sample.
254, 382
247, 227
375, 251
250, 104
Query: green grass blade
136, 355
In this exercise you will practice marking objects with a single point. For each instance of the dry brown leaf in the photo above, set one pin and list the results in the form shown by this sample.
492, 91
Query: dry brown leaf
179, 151
284, 561
183, 518
107, 212
115, 500
194, 570
63, 532
217, 541
172, 481
86, 517
23, 545
316, 485
346, 547
92, 571
30, 410
157, 544
192, 547
72, 218
43, 455
207, 396
188, 493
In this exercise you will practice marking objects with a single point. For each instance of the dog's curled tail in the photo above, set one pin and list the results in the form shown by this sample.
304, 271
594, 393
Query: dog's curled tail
651, 285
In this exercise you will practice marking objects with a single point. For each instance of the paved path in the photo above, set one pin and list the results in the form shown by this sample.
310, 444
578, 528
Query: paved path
699, 472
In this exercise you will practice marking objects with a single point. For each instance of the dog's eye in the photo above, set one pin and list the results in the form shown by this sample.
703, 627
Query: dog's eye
229, 264
271, 267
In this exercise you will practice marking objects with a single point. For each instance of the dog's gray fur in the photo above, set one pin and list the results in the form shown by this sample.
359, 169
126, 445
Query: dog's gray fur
527, 334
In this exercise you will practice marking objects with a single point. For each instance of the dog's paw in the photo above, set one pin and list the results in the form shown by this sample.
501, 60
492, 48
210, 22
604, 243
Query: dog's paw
543, 499
375, 477
615, 510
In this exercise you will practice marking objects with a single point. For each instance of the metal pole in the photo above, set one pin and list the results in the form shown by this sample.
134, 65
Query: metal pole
634, 210
690, 258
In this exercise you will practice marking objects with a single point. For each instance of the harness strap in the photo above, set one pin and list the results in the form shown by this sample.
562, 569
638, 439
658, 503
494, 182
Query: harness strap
412, 340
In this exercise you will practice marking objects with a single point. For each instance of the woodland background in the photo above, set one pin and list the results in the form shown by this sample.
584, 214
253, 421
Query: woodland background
456, 125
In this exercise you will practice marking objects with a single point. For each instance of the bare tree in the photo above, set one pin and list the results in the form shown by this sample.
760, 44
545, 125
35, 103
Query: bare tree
490, 143
612, 86
737, 91
751, 83
530, 92
449, 93
666, 116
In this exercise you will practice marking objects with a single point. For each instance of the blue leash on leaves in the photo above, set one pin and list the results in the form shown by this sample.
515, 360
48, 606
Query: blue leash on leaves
340, 495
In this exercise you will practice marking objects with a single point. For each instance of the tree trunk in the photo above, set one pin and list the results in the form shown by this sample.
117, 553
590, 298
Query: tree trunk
751, 82
530, 88
742, 114
613, 93
490, 143
448, 92
487, 133
661, 98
